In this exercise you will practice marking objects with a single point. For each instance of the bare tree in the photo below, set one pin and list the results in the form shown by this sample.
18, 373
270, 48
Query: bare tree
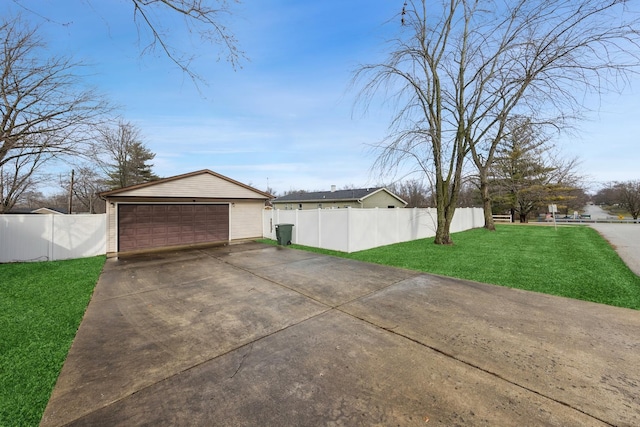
631, 197
45, 113
606, 195
461, 68
87, 184
293, 191
18, 179
199, 18
469, 193
625, 194
205, 20
414, 192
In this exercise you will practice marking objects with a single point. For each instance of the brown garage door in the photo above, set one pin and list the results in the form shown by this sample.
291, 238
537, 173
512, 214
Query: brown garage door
157, 225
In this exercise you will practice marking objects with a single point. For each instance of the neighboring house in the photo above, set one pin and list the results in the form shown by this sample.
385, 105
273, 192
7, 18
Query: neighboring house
53, 211
378, 197
197, 208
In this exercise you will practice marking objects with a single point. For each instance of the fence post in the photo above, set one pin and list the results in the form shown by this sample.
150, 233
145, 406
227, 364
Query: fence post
376, 228
397, 210
52, 239
296, 231
349, 229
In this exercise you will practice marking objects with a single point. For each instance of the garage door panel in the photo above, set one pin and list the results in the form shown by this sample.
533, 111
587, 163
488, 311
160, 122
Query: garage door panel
159, 229
156, 225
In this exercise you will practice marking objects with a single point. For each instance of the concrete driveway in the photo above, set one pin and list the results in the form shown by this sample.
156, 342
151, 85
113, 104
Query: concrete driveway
625, 239
255, 335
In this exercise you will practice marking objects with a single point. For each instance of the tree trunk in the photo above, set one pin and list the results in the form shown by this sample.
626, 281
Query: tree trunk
486, 202
445, 206
443, 235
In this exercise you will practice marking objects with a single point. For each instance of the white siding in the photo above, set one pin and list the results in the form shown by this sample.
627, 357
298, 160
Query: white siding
111, 227
246, 219
202, 185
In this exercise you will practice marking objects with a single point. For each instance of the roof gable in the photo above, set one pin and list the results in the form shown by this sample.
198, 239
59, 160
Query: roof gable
46, 210
203, 183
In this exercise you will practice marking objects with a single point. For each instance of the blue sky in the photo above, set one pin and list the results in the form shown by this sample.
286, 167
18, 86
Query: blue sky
285, 118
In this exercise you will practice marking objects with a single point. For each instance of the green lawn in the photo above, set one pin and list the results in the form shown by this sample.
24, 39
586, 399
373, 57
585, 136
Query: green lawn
572, 261
41, 306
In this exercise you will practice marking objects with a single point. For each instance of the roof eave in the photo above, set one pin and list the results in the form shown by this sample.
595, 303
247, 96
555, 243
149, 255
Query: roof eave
105, 194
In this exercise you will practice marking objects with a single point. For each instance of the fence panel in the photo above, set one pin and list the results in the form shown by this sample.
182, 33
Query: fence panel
363, 230
421, 223
334, 233
51, 237
310, 222
25, 238
352, 230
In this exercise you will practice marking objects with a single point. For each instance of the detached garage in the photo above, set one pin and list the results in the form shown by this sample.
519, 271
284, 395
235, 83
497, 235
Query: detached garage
197, 208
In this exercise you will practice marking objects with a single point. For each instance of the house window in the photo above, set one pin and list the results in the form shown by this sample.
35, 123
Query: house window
319, 205
300, 206
391, 207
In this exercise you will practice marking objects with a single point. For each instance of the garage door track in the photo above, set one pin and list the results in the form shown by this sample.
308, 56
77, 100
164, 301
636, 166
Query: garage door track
250, 334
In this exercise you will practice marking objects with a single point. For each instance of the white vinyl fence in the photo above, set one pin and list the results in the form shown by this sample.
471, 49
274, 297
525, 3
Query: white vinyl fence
51, 237
57, 237
352, 230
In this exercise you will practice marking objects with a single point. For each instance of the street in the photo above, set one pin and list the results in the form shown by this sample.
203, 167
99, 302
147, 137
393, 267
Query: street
596, 212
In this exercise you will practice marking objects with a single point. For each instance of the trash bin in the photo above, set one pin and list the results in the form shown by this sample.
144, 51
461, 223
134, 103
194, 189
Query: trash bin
283, 233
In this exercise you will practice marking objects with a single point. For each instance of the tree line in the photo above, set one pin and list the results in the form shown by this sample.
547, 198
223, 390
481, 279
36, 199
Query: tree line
624, 195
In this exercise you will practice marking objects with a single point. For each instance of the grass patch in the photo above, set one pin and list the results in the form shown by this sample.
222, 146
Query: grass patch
41, 306
574, 262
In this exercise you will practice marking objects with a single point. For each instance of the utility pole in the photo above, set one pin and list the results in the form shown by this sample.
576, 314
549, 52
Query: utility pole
71, 193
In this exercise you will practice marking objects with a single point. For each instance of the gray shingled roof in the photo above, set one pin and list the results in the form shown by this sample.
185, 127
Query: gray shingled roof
338, 195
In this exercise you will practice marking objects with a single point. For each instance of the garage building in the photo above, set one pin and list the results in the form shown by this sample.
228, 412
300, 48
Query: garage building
197, 208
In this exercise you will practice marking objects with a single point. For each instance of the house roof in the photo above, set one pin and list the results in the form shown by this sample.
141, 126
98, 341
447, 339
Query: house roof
334, 196
50, 210
132, 189
20, 211
43, 210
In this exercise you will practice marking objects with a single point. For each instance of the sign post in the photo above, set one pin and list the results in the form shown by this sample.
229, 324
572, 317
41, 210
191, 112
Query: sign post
553, 209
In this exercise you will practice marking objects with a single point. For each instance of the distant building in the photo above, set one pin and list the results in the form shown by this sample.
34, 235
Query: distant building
378, 197
52, 211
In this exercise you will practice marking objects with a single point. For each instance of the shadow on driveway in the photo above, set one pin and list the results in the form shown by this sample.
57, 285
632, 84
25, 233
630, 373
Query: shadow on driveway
260, 335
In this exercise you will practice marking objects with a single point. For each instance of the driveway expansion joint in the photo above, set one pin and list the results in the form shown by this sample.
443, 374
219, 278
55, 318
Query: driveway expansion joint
474, 366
